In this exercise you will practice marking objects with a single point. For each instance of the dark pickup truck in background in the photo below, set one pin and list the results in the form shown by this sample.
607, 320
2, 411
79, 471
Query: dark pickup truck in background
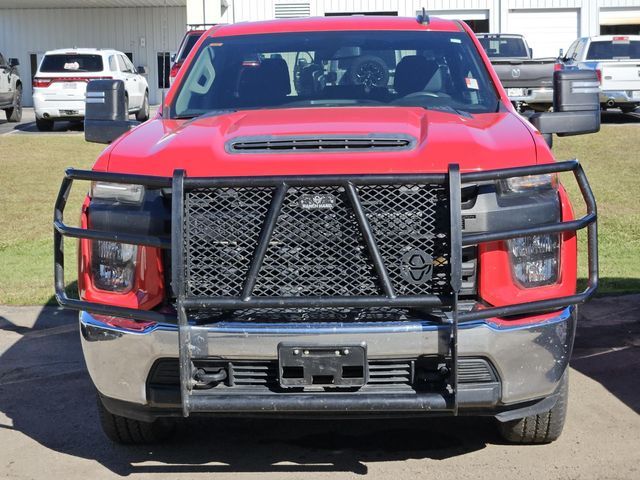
528, 81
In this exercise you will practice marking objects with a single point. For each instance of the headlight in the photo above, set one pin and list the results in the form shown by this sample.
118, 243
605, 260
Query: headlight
113, 266
530, 182
534, 259
119, 192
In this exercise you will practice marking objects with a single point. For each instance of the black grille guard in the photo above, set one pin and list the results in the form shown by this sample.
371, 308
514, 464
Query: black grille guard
452, 180
445, 401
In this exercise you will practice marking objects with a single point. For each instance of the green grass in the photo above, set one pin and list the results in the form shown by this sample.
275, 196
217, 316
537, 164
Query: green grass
31, 168
611, 160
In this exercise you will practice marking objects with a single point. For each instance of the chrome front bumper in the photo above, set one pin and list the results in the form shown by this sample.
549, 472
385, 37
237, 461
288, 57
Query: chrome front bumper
529, 359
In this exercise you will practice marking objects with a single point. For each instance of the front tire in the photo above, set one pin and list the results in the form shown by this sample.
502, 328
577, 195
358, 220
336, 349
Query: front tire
44, 125
14, 114
128, 431
143, 114
544, 427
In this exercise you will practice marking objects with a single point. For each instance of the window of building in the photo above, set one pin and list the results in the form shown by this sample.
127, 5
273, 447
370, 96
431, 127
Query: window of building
33, 60
164, 67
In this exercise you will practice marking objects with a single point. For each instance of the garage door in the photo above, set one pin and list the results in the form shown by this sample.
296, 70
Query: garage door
546, 31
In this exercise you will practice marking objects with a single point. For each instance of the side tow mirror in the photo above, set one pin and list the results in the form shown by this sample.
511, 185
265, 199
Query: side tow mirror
576, 105
14, 62
141, 70
106, 117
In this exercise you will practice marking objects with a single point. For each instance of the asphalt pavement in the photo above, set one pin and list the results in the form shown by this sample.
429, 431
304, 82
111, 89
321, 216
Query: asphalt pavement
49, 427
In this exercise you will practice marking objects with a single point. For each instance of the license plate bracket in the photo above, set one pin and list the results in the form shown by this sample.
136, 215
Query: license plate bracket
334, 366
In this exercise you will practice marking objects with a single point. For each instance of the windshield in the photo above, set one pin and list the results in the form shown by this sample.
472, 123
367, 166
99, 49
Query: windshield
70, 63
504, 47
614, 49
439, 70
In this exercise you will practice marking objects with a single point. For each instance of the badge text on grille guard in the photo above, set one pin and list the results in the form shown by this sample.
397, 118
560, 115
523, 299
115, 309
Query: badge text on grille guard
317, 202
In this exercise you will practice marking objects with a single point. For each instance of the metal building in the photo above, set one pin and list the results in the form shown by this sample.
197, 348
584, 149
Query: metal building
548, 24
146, 30
150, 30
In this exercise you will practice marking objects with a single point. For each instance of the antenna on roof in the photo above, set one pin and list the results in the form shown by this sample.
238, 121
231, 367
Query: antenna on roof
423, 18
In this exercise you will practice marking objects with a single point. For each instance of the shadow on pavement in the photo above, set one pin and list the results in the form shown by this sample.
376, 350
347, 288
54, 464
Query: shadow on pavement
616, 117
48, 396
607, 346
46, 393
58, 127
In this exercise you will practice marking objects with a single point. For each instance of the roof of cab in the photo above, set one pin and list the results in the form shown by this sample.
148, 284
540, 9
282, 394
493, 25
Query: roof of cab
327, 24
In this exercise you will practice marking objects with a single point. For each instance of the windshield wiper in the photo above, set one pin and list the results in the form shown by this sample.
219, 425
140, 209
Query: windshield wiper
450, 109
336, 102
210, 113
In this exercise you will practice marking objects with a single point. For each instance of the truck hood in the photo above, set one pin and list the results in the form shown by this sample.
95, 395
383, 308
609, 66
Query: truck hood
200, 146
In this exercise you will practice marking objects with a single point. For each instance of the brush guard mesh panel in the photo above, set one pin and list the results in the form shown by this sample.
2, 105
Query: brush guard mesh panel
317, 250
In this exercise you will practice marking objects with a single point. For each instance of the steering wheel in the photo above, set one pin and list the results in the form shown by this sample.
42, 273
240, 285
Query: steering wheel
370, 71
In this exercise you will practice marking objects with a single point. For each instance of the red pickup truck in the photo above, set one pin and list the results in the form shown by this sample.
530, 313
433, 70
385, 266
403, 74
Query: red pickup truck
332, 217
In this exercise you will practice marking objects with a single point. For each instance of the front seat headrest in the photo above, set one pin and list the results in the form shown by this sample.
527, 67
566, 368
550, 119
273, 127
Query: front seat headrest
413, 73
266, 83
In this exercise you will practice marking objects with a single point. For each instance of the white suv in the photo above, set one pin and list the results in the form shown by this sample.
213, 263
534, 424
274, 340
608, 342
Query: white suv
60, 84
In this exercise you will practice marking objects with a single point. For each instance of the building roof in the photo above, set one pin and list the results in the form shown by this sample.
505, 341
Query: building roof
320, 24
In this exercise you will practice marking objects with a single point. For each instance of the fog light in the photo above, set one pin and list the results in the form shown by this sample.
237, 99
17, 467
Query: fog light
113, 266
534, 259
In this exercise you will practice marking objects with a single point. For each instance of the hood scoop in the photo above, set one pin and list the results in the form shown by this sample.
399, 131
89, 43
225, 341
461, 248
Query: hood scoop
297, 144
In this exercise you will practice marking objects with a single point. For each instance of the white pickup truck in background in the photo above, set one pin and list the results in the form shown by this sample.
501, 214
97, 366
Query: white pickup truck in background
616, 59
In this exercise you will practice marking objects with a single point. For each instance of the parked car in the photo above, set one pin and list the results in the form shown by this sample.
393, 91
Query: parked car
60, 83
10, 89
528, 80
188, 41
377, 245
616, 59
